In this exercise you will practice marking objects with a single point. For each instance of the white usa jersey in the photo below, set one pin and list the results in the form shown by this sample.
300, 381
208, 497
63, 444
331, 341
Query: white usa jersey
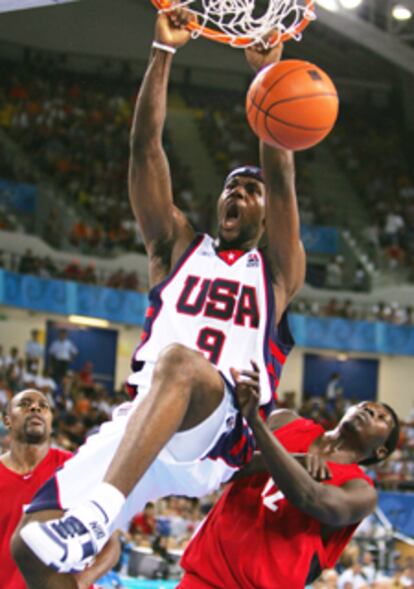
221, 304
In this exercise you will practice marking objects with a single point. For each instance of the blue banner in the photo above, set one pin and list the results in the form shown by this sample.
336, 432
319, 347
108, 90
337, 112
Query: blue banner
17, 196
320, 240
123, 306
399, 509
71, 298
356, 336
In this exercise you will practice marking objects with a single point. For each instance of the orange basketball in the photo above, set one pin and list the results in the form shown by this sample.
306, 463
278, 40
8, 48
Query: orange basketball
292, 104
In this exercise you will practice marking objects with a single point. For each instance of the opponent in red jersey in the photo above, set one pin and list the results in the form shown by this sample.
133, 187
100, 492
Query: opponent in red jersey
23, 470
279, 531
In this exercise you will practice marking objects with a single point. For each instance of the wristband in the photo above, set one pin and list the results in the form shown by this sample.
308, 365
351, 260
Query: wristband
163, 47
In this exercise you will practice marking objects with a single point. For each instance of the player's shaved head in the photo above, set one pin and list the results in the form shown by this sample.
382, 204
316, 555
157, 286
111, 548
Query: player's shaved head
28, 417
26, 393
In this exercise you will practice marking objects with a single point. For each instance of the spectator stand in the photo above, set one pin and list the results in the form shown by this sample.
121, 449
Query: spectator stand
89, 122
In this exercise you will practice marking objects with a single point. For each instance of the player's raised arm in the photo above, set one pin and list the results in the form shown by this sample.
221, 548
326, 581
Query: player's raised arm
164, 227
285, 249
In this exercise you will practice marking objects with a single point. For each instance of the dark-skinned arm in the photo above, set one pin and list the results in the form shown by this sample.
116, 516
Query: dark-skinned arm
103, 563
285, 249
315, 466
163, 226
334, 506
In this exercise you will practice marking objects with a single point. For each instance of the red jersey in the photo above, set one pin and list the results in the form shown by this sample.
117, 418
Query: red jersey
17, 490
255, 539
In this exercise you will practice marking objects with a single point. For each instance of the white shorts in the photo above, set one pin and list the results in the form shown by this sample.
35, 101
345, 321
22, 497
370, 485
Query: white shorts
183, 467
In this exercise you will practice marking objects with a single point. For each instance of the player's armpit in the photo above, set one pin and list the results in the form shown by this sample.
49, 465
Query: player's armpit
341, 506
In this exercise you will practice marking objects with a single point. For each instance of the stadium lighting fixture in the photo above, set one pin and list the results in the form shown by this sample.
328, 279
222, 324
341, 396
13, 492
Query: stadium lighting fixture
350, 4
331, 5
401, 12
90, 321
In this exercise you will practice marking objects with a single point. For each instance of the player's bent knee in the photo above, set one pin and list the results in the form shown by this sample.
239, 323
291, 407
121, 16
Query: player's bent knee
188, 365
177, 353
179, 360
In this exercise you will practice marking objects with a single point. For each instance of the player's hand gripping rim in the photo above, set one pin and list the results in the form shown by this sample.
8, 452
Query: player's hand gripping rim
247, 390
261, 54
171, 27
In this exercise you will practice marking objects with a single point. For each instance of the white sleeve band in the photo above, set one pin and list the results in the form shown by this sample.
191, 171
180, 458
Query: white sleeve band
163, 47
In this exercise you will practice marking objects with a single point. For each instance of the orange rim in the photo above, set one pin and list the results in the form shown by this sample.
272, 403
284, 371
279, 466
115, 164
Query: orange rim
241, 41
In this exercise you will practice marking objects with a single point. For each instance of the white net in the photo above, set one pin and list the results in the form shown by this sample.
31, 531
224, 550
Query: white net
239, 19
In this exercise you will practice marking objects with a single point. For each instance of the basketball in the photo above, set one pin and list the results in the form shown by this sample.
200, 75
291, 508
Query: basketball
292, 104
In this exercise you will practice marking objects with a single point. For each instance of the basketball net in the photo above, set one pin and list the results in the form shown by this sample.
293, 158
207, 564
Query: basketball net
234, 22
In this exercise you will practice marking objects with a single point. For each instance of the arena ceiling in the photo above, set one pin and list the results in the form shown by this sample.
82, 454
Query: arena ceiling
355, 46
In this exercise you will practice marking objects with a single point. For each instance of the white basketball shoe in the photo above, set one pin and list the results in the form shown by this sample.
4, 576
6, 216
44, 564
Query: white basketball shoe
70, 543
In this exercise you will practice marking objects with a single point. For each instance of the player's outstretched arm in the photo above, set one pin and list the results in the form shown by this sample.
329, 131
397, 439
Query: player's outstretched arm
334, 506
285, 249
150, 190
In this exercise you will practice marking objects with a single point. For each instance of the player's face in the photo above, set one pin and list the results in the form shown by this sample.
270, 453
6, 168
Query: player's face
240, 211
371, 421
29, 417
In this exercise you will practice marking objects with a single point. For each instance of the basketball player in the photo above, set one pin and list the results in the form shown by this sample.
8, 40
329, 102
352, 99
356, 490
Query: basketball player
29, 462
214, 303
280, 528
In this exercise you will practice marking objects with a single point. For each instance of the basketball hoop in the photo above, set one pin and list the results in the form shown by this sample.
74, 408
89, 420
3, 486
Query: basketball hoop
233, 21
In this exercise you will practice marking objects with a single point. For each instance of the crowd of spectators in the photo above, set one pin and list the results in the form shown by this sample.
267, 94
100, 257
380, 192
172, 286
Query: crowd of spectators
72, 269
370, 146
394, 312
358, 569
75, 130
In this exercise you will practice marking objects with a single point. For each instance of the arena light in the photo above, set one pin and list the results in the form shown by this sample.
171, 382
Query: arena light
401, 12
331, 5
350, 4
12, 5
90, 321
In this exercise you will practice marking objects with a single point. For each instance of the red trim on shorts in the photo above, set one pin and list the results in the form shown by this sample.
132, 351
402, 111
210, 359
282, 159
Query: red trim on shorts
277, 352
